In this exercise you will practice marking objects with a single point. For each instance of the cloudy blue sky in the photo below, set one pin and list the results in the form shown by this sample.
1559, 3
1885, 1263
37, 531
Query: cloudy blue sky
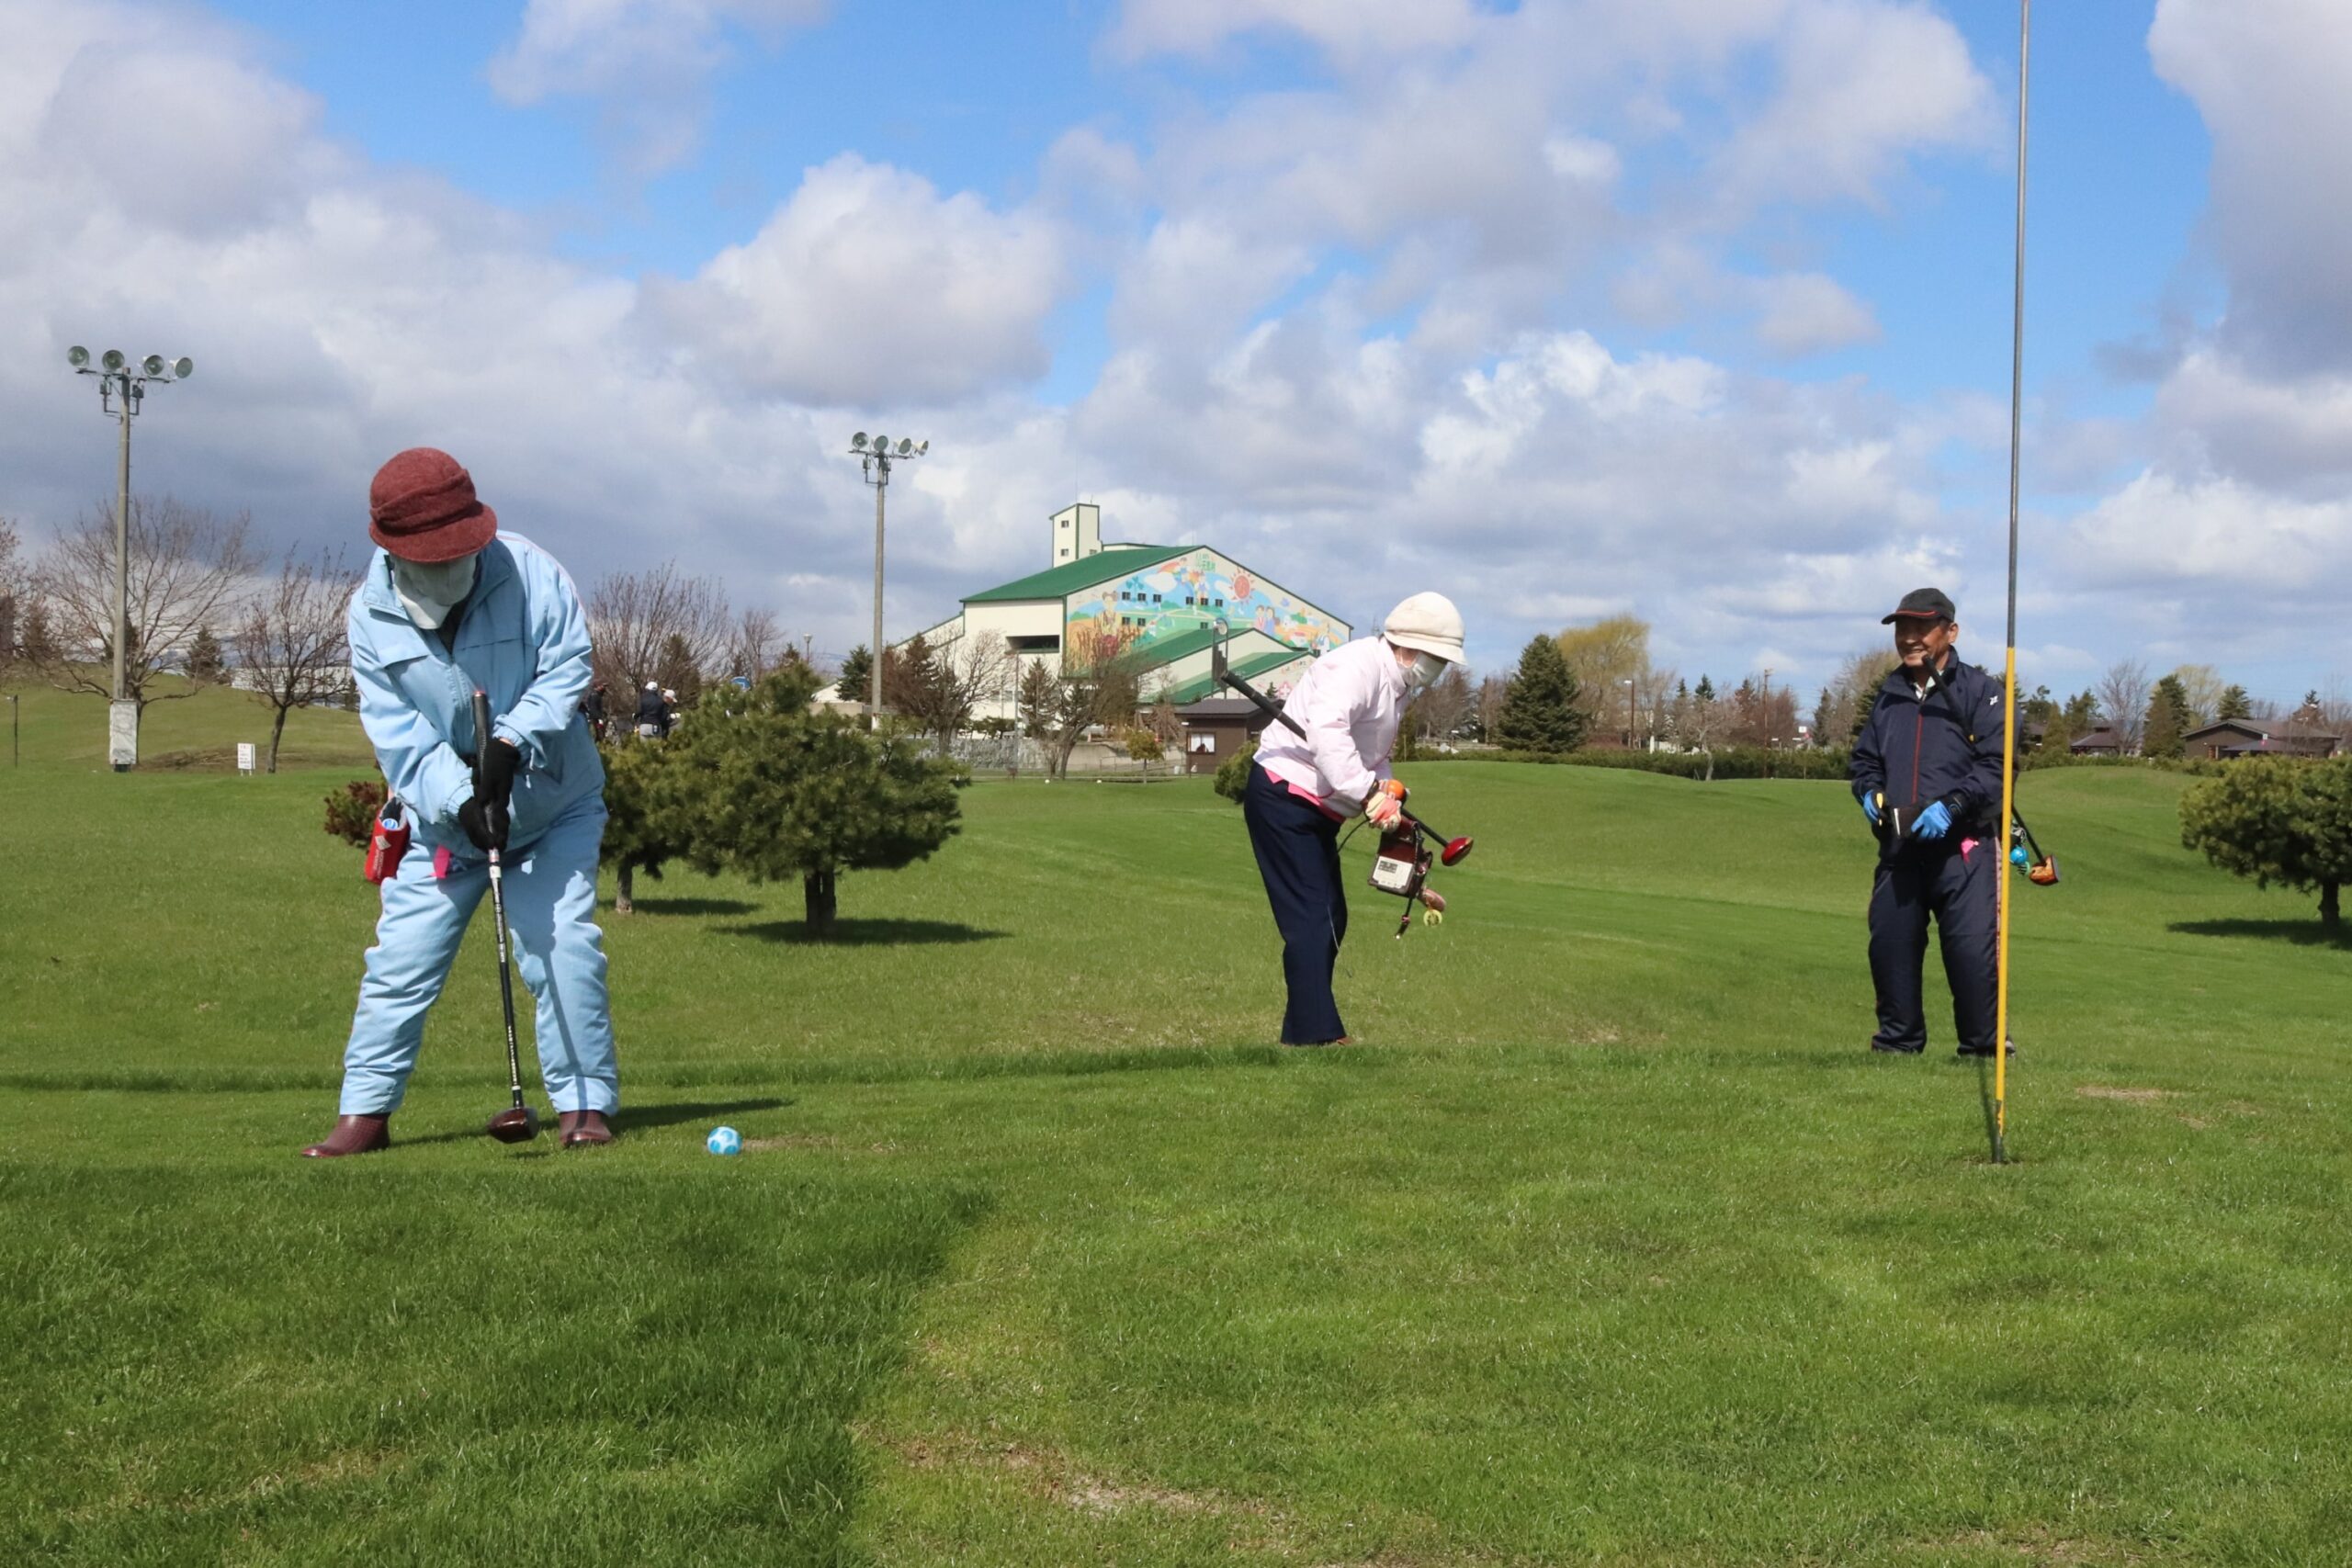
1696, 308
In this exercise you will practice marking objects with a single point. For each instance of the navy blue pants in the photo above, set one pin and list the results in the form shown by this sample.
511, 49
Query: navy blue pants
1298, 854
1962, 892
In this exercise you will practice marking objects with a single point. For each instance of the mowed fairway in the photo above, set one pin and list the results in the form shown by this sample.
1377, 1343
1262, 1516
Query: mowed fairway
1612, 1244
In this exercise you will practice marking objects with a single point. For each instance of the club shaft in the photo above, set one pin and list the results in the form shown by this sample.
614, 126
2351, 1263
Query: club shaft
505, 976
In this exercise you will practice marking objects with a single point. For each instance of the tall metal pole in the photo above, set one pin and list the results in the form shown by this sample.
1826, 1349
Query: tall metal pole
881, 483
122, 550
2010, 727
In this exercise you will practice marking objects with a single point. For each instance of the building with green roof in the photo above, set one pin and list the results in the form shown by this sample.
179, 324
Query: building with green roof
1158, 602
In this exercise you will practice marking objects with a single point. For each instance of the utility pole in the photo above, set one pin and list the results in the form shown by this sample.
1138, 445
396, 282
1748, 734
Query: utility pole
1629, 712
875, 457
119, 382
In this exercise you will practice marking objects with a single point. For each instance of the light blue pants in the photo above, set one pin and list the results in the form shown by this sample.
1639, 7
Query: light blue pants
551, 916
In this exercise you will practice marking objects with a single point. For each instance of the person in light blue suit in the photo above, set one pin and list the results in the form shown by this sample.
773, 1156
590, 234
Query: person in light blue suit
450, 605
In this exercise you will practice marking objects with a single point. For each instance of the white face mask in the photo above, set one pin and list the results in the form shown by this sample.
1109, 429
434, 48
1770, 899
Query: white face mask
1423, 669
429, 591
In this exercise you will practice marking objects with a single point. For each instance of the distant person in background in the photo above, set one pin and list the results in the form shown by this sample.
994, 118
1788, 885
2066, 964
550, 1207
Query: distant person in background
1302, 789
450, 607
652, 713
592, 704
1926, 772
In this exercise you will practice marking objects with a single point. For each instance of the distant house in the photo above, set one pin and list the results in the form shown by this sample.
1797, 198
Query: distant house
2265, 738
2105, 742
1160, 604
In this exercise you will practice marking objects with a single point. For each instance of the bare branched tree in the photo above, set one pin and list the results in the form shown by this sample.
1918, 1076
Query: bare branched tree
957, 675
187, 567
2123, 699
1488, 708
1100, 685
632, 616
1443, 706
293, 646
753, 644
12, 592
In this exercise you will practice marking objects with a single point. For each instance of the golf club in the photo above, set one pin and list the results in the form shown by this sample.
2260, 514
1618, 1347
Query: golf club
519, 1123
2044, 871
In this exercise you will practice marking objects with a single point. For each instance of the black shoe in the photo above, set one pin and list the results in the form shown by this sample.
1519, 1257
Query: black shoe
1319, 1045
1881, 1046
1973, 1051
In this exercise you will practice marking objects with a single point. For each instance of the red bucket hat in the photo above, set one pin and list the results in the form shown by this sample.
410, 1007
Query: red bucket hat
422, 508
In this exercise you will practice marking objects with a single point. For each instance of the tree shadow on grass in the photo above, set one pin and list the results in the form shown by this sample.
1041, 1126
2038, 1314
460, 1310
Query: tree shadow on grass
692, 907
869, 934
2305, 932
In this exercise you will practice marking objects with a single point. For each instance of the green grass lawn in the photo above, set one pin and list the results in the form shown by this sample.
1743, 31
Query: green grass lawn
1610, 1244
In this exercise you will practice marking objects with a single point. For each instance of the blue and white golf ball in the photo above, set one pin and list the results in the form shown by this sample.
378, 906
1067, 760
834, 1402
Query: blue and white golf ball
724, 1141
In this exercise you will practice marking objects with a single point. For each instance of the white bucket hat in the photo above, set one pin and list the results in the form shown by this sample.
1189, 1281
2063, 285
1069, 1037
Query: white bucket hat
1429, 623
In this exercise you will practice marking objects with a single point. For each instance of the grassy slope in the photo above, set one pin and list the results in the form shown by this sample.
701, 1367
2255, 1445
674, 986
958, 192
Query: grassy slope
1614, 1244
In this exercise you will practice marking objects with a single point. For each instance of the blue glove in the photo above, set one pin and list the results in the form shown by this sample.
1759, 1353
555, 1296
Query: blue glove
1870, 806
1934, 822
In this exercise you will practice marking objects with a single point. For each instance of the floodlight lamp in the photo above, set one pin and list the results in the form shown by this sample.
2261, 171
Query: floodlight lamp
151, 366
882, 444
77, 357
111, 359
183, 368
921, 449
857, 442
905, 447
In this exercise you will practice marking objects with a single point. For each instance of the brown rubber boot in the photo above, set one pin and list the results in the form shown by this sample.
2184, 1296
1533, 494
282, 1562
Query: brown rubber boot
352, 1135
579, 1127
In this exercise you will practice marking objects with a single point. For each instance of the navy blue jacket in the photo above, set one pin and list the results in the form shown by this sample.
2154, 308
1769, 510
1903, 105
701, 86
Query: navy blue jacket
1944, 746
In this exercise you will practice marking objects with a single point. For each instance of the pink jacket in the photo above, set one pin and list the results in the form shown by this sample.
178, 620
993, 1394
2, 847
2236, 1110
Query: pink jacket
1349, 702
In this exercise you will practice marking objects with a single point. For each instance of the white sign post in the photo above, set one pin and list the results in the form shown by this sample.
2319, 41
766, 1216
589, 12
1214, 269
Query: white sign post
244, 756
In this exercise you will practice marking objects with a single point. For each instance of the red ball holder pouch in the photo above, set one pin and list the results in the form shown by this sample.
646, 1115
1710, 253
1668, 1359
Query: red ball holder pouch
386, 843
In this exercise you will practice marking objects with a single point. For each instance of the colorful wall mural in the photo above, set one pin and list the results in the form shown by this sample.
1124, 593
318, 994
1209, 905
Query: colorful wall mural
1191, 591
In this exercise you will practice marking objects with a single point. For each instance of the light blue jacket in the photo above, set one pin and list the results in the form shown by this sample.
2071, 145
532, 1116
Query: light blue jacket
523, 640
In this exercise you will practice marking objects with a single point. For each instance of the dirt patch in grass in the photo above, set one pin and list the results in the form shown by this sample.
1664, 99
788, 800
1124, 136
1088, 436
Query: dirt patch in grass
2133, 1096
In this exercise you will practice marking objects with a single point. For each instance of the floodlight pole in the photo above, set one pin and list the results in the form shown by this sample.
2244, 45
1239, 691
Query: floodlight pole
122, 558
119, 379
875, 457
2010, 725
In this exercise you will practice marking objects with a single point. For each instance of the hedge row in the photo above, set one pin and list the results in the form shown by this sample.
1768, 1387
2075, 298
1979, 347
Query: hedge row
1730, 762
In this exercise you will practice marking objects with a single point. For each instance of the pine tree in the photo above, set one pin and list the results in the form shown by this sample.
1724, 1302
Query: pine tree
2168, 719
1540, 712
768, 789
2236, 702
205, 660
855, 683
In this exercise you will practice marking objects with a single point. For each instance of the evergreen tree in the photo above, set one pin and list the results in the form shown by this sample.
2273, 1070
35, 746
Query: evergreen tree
2236, 702
677, 672
2277, 819
2168, 719
855, 683
646, 817
205, 660
1540, 712
768, 789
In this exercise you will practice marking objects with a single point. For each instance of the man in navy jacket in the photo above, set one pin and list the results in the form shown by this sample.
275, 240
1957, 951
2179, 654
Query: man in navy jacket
1926, 769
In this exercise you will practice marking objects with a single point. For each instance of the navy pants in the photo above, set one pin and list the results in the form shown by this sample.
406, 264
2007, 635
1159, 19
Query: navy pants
1298, 854
1962, 892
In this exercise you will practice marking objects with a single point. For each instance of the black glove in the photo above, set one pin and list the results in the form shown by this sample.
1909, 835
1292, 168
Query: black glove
485, 823
485, 817
499, 766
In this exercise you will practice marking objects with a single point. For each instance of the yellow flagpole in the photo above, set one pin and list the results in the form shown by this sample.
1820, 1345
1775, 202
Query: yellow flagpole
2009, 711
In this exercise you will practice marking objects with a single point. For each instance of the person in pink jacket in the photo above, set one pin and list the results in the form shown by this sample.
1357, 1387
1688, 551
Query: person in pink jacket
1302, 788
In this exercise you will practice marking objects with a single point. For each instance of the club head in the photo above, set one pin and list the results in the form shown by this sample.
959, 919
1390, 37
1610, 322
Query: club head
1457, 852
516, 1124
2043, 872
